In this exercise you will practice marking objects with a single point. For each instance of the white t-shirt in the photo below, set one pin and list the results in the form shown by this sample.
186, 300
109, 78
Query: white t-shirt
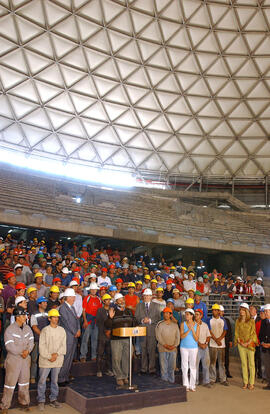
204, 333
102, 280
217, 327
189, 284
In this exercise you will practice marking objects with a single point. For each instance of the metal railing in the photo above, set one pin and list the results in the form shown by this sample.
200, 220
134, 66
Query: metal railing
231, 305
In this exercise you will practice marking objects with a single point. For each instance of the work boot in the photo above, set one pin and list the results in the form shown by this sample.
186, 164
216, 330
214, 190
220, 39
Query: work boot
120, 382
4, 411
32, 381
41, 406
109, 373
99, 374
125, 381
83, 360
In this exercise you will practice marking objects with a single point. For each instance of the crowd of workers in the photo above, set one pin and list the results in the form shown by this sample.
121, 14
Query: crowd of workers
57, 300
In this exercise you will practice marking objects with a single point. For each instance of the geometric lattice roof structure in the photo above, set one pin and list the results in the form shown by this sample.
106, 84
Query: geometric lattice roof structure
147, 86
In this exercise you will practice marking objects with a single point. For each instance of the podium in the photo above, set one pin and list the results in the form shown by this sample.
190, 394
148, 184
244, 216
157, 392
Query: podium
130, 333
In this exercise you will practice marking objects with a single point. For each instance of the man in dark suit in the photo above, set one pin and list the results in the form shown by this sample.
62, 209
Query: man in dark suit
148, 314
70, 322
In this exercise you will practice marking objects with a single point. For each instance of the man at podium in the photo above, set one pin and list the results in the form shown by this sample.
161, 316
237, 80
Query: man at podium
119, 317
148, 314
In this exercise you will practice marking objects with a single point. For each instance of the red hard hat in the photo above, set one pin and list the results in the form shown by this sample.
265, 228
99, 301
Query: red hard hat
20, 286
119, 280
77, 269
76, 280
9, 275
112, 266
169, 282
56, 279
104, 269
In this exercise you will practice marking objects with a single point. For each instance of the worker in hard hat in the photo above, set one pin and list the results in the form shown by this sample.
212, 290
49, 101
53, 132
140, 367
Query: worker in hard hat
104, 343
168, 338
148, 314
218, 329
52, 349
91, 304
131, 299
53, 301
19, 342
32, 300
71, 324
38, 321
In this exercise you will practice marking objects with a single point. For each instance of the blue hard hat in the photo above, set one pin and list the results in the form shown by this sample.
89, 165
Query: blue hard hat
171, 300
41, 299
112, 288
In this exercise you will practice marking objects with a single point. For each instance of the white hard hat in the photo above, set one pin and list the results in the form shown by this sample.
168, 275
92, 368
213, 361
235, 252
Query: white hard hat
118, 296
93, 275
19, 299
148, 292
238, 277
73, 283
190, 311
65, 270
267, 306
244, 305
259, 278
69, 292
221, 308
200, 279
61, 295
93, 286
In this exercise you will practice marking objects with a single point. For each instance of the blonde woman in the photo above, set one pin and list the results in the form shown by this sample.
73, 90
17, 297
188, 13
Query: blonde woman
246, 339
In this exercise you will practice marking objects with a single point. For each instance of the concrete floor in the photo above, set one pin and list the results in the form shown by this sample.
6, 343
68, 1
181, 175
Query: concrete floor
218, 400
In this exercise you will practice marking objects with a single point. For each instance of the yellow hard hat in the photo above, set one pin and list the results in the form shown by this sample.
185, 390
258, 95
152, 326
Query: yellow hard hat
190, 300
53, 312
1, 286
106, 296
55, 289
184, 268
153, 281
191, 274
139, 282
147, 277
159, 289
38, 274
215, 306
31, 289
131, 284
173, 268
216, 280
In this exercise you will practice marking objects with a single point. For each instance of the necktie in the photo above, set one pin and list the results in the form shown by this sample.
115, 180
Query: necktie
147, 308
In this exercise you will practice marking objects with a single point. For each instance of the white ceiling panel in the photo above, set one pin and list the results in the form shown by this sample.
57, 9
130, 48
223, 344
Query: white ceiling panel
148, 86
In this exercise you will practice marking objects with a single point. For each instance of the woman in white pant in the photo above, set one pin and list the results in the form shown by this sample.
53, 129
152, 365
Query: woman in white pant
189, 332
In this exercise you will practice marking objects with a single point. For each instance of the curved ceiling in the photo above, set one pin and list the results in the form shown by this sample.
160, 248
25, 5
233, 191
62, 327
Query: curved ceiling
150, 86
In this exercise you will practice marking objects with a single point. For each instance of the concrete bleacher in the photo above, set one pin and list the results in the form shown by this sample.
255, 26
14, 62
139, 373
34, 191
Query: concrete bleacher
120, 209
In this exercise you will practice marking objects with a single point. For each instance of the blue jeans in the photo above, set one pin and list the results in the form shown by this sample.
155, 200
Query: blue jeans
92, 332
167, 361
203, 356
41, 389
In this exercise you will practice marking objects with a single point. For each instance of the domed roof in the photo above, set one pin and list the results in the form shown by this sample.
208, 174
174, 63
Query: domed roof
148, 86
